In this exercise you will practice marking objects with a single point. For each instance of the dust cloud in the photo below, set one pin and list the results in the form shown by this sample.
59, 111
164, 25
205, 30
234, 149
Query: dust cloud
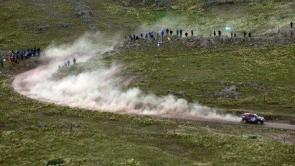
100, 89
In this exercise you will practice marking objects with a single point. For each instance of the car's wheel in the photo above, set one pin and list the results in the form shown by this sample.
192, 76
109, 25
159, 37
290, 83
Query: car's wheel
244, 121
260, 122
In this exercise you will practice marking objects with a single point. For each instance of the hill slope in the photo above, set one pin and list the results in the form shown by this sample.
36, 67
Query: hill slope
37, 23
36, 133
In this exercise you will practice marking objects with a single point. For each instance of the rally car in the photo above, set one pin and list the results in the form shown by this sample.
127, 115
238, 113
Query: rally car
252, 118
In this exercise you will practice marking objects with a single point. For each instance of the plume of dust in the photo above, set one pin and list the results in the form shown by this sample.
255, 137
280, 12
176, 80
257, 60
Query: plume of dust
100, 88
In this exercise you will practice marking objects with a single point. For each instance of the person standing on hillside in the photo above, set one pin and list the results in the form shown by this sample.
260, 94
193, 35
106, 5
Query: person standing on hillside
1, 61
180, 32
186, 34
219, 33
167, 31
152, 36
74, 61
171, 32
291, 25
214, 33
38, 51
192, 33
35, 51
245, 34
177, 32
68, 63
21, 55
162, 33
11, 57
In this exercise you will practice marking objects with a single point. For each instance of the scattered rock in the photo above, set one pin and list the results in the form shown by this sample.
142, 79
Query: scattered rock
43, 28
229, 92
163, 3
84, 12
55, 162
253, 84
180, 94
146, 3
250, 136
65, 25
2, 125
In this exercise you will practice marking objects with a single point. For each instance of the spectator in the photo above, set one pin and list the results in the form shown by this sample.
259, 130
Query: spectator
167, 31
1, 61
219, 33
180, 32
245, 34
38, 51
162, 34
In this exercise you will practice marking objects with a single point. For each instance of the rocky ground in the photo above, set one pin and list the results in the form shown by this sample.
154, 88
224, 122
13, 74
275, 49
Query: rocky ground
85, 13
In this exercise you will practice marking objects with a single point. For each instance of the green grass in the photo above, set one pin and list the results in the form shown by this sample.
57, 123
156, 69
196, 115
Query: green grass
35, 133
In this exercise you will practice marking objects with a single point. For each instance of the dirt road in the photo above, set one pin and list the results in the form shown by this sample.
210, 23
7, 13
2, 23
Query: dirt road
279, 125
274, 125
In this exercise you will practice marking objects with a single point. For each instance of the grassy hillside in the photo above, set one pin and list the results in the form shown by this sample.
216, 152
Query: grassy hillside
35, 133
37, 23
